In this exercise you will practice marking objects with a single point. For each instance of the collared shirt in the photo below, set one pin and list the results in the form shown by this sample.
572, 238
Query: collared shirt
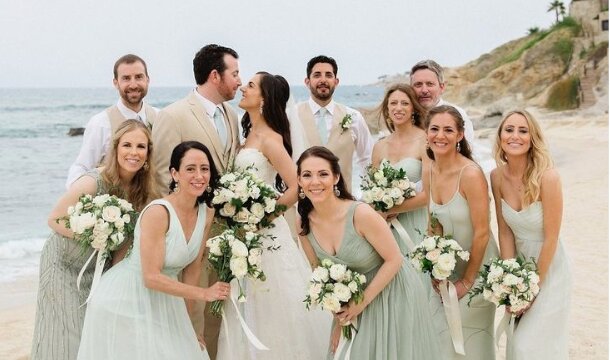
210, 107
96, 141
359, 131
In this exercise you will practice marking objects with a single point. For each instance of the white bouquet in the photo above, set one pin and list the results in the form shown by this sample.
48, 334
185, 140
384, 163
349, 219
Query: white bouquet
233, 258
510, 282
332, 286
103, 222
243, 199
386, 186
438, 256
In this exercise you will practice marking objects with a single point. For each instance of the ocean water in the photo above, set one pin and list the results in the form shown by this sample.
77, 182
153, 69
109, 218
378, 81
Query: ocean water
36, 152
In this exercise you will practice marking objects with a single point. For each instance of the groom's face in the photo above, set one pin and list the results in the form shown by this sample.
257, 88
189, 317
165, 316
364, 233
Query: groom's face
229, 79
322, 81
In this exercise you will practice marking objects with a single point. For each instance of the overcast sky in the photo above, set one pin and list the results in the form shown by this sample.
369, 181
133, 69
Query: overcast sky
74, 43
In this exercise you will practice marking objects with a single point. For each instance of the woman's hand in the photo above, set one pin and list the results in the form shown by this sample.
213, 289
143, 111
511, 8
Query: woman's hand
518, 314
349, 312
461, 288
219, 291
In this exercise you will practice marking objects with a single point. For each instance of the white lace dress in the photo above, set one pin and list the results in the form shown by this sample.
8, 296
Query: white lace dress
274, 310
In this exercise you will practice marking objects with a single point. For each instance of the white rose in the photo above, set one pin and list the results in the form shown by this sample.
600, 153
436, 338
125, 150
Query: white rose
125, 205
446, 262
119, 224
100, 200
534, 278
214, 245
362, 279
377, 193
510, 280
258, 210
320, 274
402, 184
82, 222
395, 192
353, 287
254, 257
242, 216
417, 265
464, 255
78, 207
239, 249
387, 200
326, 263
227, 178
367, 197
337, 272
111, 213
239, 267
378, 175
440, 274
342, 292
314, 292
254, 192
227, 210
126, 218
433, 255
429, 243
70, 210
330, 302
453, 244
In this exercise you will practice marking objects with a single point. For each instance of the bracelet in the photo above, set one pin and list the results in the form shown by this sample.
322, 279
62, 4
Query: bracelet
468, 287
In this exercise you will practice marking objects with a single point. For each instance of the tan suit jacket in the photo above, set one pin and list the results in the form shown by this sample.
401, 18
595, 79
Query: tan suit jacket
186, 120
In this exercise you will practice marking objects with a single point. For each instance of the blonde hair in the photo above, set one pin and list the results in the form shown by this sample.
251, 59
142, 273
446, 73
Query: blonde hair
538, 156
143, 187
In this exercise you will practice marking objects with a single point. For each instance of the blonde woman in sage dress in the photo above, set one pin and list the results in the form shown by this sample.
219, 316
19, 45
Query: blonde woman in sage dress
459, 204
405, 148
529, 205
59, 312
393, 320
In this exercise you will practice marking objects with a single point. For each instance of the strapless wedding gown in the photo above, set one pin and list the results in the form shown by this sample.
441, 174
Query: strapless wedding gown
274, 309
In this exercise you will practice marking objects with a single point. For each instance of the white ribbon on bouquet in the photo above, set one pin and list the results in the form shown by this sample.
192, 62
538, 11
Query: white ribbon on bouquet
343, 342
452, 313
403, 234
97, 274
506, 325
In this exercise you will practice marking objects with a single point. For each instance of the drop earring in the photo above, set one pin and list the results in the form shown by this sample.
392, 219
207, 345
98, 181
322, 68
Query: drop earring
209, 189
260, 110
177, 187
336, 191
145, 166
301, 194
458, 147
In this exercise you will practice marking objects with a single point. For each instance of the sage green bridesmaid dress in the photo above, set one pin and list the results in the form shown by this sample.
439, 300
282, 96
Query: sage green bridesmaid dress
397, 324
478, 317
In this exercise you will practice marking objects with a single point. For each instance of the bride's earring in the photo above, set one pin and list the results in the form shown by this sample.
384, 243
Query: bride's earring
261, 108
336, 190
301, 194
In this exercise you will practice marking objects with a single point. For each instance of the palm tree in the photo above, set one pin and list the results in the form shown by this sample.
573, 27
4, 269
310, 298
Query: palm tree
558, 7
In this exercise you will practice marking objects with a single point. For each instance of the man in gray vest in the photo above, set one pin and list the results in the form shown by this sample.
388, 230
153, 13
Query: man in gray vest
131, 80
203, 115
325, 122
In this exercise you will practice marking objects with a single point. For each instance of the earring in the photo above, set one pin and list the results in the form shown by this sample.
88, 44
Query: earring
336, 190
145, 166
177, 187
301, 194
261, 108
209, 189
413, 119
458, 147
427, 145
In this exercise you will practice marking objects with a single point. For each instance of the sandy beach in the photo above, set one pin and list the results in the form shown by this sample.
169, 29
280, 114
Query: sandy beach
579, 144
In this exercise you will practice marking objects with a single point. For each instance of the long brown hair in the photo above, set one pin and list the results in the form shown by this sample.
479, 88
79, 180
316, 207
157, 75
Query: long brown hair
304, 205
419, 111
459, 123
143, 187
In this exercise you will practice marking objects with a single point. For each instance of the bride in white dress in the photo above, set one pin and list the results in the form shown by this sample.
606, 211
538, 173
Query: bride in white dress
274, 309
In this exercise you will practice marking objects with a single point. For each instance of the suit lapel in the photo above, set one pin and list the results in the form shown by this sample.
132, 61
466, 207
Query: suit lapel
208, 128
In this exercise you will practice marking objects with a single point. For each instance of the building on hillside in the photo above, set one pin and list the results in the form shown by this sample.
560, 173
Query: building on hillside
593, 16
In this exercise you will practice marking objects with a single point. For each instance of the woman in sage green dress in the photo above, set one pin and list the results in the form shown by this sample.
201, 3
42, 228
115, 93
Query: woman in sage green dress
529, 205
405, 148
393, 320
459, 206
127, 174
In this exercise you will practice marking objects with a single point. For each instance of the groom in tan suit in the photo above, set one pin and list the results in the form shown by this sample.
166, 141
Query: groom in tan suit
205, 116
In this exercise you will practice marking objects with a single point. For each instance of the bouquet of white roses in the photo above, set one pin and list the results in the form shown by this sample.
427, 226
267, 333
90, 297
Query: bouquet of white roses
386, 186
103, 222
332, 286
438, 256
510, 282
243, 199
233, 258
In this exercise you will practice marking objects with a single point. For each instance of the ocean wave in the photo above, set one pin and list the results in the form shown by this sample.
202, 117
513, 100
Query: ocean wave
47, 108
20, 249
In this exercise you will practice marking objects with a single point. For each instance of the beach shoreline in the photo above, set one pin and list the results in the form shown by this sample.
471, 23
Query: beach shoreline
579, 145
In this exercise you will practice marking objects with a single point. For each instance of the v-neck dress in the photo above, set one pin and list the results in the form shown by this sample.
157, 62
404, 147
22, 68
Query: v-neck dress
397, 323
127, 320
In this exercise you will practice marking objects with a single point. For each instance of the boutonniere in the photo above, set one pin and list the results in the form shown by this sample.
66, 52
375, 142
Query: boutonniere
346, 122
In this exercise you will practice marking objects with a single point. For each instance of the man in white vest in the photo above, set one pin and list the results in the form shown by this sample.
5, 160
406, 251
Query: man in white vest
131, 81
325, 122
203, 115
427, 79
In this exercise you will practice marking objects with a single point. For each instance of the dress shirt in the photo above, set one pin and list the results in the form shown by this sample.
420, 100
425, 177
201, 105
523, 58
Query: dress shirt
96, 140
210, 108
359, 131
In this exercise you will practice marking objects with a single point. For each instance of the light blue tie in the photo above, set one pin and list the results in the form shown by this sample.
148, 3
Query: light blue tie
219, 122
322, 127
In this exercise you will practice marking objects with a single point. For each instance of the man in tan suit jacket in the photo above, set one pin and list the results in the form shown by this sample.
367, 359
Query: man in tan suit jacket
205, 116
